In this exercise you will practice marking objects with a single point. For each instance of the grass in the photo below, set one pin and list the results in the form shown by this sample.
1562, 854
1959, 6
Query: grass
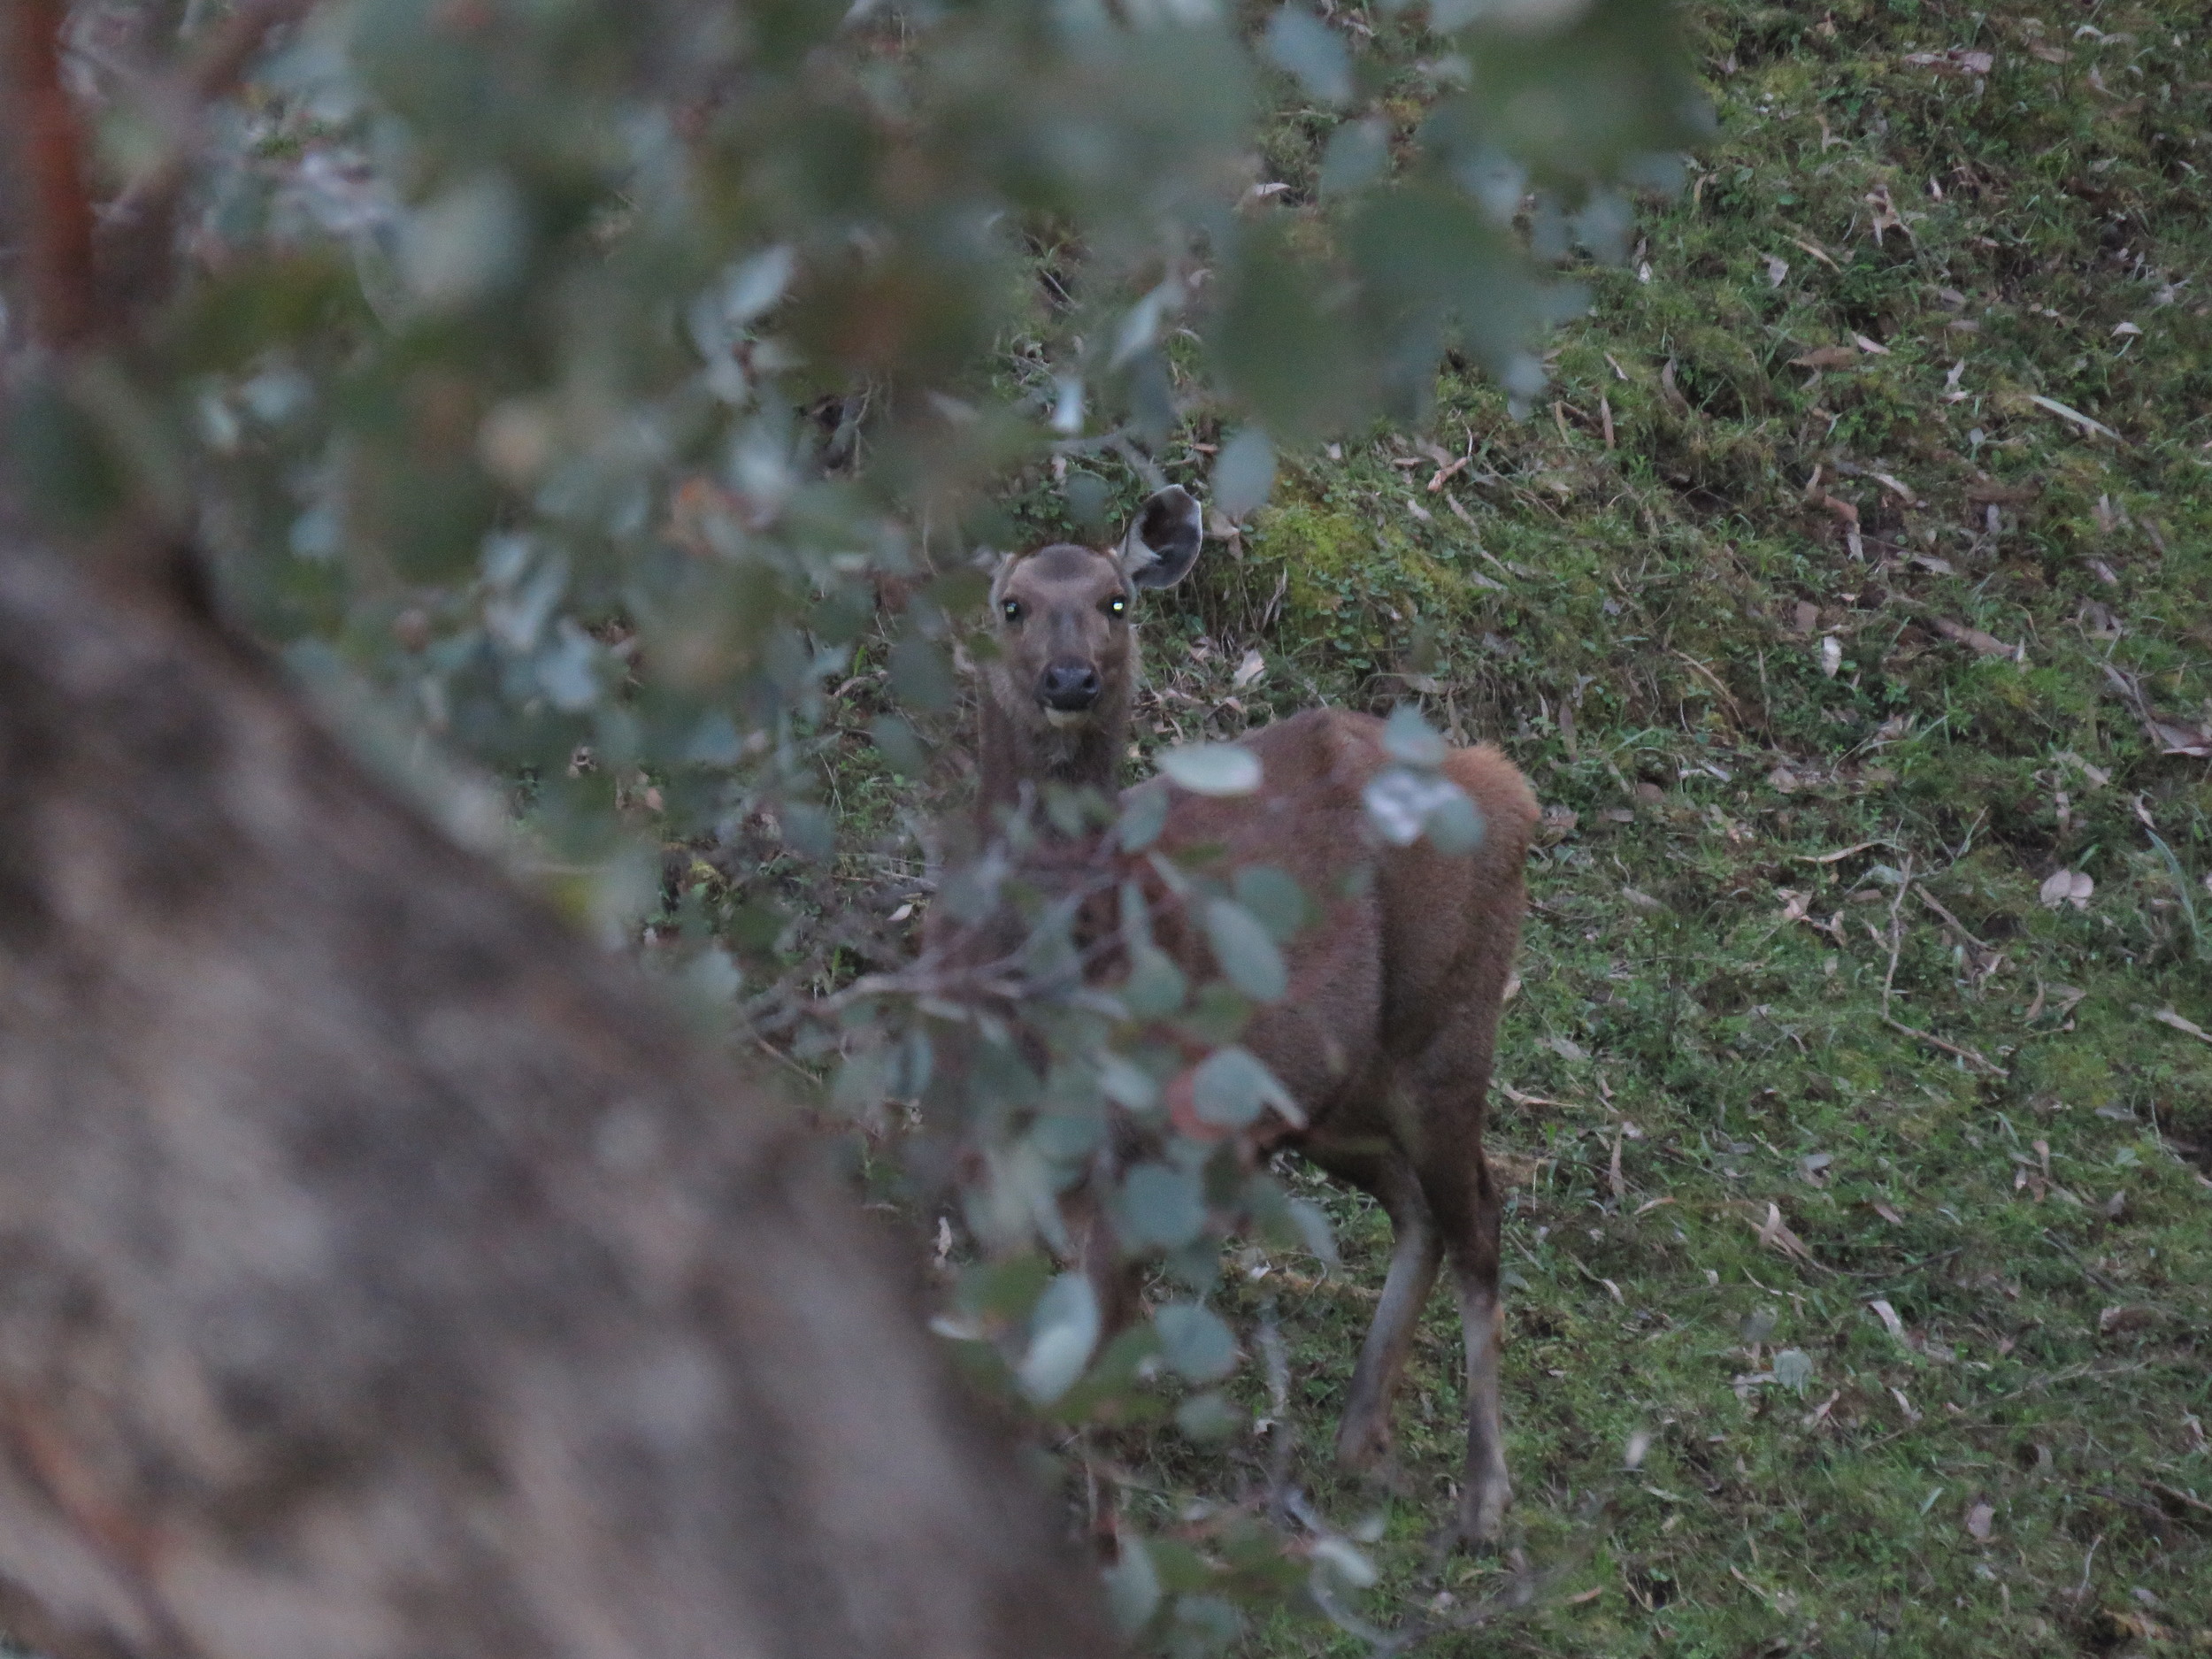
1789, 956
1845, 597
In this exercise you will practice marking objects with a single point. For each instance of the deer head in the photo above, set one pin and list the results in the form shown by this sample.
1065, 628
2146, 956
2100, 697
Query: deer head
1057, 697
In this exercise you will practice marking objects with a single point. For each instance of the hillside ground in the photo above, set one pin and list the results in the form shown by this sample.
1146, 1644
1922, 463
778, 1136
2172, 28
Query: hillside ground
1848, 599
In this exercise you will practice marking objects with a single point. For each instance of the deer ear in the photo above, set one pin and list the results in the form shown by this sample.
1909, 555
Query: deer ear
1163, 543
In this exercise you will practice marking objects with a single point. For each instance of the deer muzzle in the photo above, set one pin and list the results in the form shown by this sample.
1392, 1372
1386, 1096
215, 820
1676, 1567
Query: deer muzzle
1067, 687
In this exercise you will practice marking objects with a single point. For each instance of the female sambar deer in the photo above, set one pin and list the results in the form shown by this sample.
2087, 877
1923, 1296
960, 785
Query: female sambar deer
1385, 1039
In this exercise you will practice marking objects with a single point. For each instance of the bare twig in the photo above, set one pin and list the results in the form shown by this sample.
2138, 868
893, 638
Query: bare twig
1928, 899
57, 212
1889, 976
1727, 696
1896, 934
1979, 1062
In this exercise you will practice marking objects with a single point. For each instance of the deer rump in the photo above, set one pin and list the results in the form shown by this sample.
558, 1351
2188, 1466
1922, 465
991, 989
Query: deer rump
1409, 944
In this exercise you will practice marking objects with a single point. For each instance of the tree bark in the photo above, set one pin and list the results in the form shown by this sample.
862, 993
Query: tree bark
382, 1272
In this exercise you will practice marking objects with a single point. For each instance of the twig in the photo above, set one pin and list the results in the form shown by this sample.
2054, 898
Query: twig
1137, 462
57, 212
2088, 1563
1896, 935
1889, 977
1727, 696
1929, 900
1929, 1038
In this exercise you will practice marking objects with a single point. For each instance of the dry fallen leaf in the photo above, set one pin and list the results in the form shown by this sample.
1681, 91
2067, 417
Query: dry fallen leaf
2066, 886
1776, 1235
1826, 357
1988, 644
2067, 411
1978, 1522
1887, 1315
1830, 655
2166, 1016
1889, 1214
1777, 269
1247, 670
1957, 61
2175, 738
1874, 346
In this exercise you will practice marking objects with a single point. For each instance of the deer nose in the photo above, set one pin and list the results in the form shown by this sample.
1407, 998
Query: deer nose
1068, 688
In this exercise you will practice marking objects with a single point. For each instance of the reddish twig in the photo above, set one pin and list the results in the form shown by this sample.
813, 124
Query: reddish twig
57, 231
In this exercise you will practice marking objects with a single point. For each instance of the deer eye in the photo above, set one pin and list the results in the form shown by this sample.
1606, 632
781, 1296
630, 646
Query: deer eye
1117, 606
1012, 610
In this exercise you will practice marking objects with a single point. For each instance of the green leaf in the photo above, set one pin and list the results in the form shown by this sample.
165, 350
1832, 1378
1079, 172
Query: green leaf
1126, 1084
1159, 1207
921, 675
1301, 44
1231, 1086
1156, 987
1455, 824
1212, 768
1132, 1586
1245, 952
902, 750
1403, 804
64, 458
1274, 896
1282, 338
1313, 1223
1143, 816
1208, 1417
1358, 154
1195, 1341
1244, 472
1062, 1333
1794, 1369
467, 244
1409, 738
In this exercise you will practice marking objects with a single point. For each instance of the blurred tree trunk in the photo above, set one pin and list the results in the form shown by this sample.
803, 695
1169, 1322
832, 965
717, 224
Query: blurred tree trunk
381, 1271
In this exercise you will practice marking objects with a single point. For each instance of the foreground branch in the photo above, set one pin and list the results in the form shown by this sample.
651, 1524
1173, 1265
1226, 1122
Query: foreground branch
380, 1272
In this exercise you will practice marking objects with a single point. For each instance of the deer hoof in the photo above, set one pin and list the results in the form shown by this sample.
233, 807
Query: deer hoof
1361, 1446
1482, 1511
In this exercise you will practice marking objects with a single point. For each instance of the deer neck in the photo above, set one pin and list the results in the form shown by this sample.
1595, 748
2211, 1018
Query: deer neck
1021, 750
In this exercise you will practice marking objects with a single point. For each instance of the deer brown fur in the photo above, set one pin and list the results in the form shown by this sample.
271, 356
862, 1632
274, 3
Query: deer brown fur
1384, 1040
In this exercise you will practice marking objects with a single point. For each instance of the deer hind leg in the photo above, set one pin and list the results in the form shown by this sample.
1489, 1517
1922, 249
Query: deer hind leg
1363, 1437
1447, 1088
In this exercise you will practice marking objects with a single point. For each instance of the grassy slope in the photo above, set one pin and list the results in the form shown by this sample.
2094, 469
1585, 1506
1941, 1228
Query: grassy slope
1642, 626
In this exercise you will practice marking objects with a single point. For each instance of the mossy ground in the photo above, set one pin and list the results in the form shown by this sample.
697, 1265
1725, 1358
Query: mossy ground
1827, 644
